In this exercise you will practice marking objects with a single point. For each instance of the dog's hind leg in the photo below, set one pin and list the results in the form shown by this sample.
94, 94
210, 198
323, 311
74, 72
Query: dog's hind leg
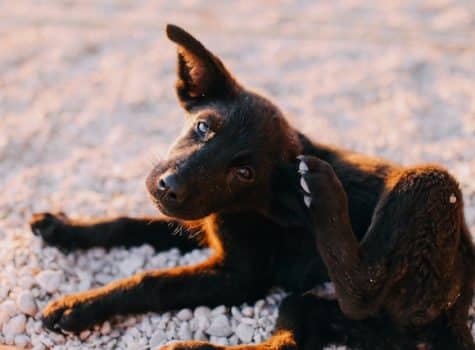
60, 231
415, 260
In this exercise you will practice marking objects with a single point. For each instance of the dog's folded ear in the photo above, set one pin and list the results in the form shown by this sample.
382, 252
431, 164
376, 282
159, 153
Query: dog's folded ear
201, 75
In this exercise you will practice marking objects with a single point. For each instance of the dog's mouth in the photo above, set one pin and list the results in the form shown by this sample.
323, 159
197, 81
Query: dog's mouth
169, 203
166, 207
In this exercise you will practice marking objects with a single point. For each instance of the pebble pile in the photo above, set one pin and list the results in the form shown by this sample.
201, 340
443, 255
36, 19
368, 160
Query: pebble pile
31, 282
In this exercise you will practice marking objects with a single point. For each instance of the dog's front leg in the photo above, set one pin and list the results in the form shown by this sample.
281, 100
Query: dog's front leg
211, 283
60, 231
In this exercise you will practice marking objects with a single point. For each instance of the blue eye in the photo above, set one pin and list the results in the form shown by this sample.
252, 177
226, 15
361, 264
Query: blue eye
202, 128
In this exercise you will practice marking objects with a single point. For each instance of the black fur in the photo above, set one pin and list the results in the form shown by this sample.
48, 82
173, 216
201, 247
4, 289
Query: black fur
393, 240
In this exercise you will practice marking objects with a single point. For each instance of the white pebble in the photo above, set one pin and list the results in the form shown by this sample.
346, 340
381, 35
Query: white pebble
184, 332
26, 303
219, 310
248, 311
158, 338
22, 340
9, 308
14, 326
258, 338
26, 282
184, 315
220, 327
3, 318
201, 322
249, 321
4, 290
235, 313
219, 340
245, 332
84, 334
106, 328
131, 264
49, 280
199, 335
233, 340
202, 311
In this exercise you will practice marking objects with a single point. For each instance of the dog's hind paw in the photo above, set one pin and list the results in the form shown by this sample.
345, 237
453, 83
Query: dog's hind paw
50, 227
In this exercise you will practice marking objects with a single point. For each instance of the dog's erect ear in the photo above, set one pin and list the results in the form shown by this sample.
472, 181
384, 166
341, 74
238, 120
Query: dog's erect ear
201, 75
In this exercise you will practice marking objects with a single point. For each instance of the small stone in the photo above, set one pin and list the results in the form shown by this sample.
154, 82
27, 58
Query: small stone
184, 332
49, 280
38, 327
131, 264
130, 321
201, 322
26, 303
4, 290
38, 346
236, 314
219, 310
202, 311
248, 311
258, 338
14, 326
260, 304
3, 318
103, 278
244, 332
57, 338
26, 282
219, 341
9, 308
158, 338
22, 340
249, 321
199, 335
84, 334
233, 340
220, 327
106, 328
184, 315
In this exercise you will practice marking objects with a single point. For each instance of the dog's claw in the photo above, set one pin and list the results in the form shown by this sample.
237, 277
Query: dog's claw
303, 168
307, 200
304, 185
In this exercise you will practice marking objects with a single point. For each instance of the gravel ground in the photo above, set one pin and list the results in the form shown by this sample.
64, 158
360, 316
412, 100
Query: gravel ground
87, 105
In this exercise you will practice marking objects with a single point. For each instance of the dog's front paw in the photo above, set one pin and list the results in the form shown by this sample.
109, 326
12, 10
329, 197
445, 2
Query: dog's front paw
51, 227
321, 189
71, 313
191, 345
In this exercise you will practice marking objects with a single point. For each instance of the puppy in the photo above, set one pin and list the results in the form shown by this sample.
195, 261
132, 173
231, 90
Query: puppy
279, 209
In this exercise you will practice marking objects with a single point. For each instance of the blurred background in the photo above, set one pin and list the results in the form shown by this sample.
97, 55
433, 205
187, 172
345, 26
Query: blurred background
87, 102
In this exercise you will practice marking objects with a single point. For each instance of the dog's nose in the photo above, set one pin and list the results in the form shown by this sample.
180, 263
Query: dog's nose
170, 188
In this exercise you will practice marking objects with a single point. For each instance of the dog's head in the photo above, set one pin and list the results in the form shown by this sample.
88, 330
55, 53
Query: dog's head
231, 144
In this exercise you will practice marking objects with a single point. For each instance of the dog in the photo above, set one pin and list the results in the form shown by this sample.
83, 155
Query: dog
278, 209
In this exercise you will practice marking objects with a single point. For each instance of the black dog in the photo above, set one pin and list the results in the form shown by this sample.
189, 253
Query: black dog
393, 240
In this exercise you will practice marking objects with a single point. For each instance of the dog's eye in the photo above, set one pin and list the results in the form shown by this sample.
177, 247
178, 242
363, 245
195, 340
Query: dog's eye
202, 128
245, 173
